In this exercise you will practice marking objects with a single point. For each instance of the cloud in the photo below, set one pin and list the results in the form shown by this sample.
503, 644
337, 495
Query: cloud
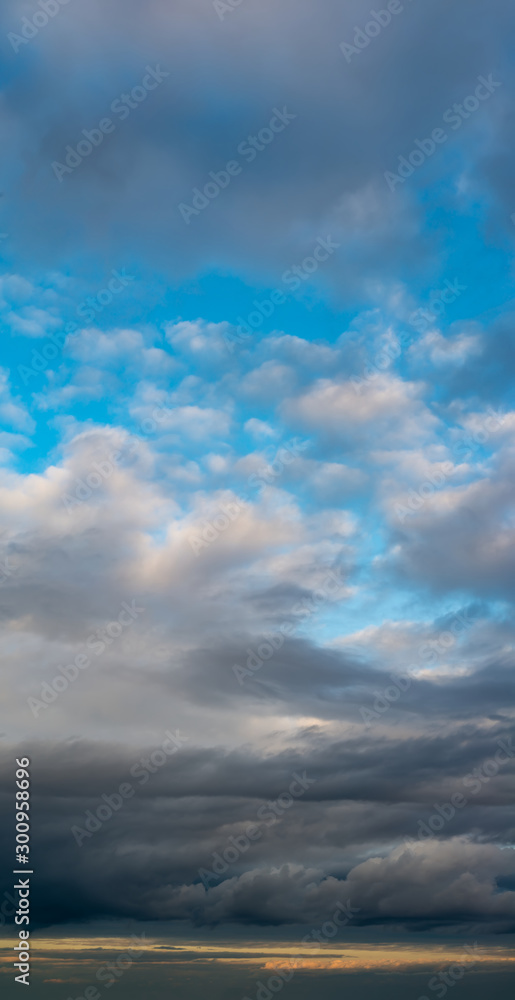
337, 412
12, 411
291, 872
461, 536
339, 171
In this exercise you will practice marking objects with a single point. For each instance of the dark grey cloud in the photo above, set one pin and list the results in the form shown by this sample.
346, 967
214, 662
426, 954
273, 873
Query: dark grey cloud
465, 544
129, 190
349, 818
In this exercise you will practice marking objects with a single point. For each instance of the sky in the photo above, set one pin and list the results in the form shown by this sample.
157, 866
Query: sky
257, 459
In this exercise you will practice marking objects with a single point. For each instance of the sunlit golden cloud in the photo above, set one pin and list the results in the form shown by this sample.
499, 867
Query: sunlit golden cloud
79, 952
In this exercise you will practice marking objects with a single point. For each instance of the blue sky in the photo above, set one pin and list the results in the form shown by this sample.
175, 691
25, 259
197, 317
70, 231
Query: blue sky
278, 419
